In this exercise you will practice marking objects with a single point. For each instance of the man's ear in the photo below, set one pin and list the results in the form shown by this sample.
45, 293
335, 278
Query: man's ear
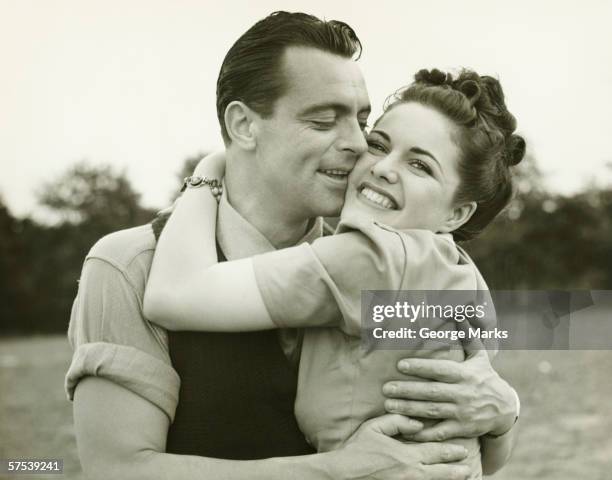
458, 216
239, 122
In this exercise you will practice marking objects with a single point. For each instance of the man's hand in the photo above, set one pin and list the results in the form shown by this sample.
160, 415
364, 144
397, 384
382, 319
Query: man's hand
469, 397
371, 453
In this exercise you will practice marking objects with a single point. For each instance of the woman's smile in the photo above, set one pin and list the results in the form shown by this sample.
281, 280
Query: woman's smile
376, 196
397, 182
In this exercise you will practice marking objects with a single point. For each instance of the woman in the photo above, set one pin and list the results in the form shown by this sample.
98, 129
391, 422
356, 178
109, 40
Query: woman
437, 170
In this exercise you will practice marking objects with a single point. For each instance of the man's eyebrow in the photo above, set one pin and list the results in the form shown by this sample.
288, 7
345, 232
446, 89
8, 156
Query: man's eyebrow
334, 106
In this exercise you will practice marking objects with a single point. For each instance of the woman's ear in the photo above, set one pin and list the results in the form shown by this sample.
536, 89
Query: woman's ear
240, 124
458, 216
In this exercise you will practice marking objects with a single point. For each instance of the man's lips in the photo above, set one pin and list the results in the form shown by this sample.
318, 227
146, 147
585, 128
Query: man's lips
335, 172
337, 175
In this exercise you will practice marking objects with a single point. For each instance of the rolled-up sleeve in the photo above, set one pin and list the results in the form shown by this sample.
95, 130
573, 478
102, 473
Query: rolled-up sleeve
112, 340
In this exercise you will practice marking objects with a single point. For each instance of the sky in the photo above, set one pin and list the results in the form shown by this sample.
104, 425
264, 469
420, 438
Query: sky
131, 83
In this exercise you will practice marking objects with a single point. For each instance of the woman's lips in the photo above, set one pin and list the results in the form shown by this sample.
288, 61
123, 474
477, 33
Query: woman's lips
377, 196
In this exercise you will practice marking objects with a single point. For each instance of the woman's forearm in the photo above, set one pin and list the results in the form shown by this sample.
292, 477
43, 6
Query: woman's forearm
186, 247
187, 289
496, 451
187, 244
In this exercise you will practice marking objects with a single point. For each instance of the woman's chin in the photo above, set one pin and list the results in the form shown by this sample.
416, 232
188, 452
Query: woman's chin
353, 213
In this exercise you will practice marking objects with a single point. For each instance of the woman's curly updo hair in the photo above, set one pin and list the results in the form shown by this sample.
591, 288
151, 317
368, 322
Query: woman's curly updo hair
485, 137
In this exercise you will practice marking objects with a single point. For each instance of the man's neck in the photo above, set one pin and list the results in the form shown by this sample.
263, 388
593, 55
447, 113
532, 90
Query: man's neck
266, 216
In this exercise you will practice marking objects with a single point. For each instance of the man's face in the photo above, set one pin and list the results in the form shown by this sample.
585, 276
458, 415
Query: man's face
309, 145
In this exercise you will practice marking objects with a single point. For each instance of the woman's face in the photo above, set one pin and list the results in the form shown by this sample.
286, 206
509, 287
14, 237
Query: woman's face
408, 177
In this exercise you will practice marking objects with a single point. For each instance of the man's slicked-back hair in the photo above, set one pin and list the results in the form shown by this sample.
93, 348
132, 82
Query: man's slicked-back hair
252, 71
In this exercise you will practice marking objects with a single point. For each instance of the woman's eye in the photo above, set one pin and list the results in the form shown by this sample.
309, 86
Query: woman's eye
421, 166
374, 145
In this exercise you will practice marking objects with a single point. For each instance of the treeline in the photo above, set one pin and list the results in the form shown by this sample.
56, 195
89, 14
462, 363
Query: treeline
40, 264
542, 241
549, 242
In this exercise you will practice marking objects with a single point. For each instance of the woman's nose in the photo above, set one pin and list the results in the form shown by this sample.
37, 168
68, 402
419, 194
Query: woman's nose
385, 169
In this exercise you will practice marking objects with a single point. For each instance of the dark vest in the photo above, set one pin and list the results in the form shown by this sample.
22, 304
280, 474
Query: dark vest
237, 395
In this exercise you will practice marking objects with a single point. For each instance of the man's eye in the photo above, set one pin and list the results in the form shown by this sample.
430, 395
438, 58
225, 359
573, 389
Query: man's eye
364, 126
376, 146
321, 125
420, 165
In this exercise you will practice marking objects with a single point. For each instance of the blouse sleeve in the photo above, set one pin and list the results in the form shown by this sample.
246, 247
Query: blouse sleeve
320, 284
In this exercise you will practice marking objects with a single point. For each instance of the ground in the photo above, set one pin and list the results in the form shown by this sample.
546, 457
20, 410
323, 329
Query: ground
564, 431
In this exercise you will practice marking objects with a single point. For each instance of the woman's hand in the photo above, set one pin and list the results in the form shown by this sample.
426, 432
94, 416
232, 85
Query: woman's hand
469, 397
212, 166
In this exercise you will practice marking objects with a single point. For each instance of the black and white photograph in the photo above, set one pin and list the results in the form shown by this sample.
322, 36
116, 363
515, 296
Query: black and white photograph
306, 240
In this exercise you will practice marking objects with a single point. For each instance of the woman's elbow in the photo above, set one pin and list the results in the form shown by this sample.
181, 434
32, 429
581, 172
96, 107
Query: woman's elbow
491, 467
157, 308
494, 457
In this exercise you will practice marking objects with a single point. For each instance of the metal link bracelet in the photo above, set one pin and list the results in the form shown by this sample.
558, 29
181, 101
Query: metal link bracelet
195, 181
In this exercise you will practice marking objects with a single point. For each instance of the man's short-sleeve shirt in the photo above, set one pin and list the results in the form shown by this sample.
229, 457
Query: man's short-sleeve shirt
108, 332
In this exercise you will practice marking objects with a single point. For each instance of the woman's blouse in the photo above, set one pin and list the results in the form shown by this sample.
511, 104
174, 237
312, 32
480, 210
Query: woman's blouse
320, 284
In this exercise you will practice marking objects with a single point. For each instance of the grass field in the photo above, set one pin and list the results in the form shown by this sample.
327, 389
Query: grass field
565, 427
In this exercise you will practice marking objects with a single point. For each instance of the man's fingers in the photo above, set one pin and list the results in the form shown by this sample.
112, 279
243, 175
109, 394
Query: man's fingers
445, 371
431, 391
432, 453
440, 432
392, 425
447, 472
413, 408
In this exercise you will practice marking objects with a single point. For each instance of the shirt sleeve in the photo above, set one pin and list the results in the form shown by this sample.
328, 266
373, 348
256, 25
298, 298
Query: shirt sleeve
321, 284
111, 339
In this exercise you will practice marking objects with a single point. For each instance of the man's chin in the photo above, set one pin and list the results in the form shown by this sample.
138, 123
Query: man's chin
331, 208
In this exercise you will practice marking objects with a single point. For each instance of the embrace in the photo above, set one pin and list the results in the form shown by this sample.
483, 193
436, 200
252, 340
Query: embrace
223, 341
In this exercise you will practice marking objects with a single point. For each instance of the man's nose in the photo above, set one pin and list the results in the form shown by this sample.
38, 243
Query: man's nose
353, 138
385, 169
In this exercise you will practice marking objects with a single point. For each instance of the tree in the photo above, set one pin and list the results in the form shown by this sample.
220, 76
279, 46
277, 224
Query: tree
547, 241
39, 288
95, 195
12, 280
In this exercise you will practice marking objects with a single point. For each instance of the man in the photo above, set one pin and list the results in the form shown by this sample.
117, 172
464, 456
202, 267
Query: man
292, 105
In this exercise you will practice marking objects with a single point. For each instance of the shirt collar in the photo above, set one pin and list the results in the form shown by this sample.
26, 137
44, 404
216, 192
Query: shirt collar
239, 239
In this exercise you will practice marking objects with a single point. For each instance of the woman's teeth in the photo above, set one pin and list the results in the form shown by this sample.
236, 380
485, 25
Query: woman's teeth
377, 198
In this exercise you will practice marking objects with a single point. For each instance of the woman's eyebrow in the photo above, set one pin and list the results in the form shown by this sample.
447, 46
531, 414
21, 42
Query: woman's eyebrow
382, 134
417, 150
420, 151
